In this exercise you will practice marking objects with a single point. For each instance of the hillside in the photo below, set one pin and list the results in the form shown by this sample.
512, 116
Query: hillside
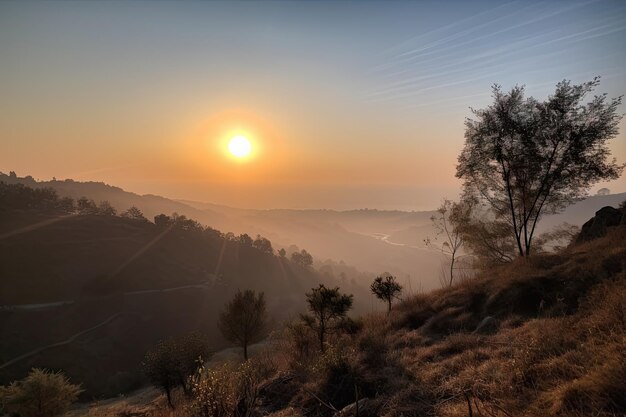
130, 281
371, 240
543, 337
349, 236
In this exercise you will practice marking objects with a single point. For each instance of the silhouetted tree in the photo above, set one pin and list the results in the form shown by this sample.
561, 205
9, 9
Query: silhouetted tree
263, 244
244, 319
41, 393
161, 368
134, 213
172, 362
386, 288
190, 350
328, 308
447, 223
162, 221
21, 197
525, 158
106, 209
603, 191
86, 206
302, 258
282, 252
245, 240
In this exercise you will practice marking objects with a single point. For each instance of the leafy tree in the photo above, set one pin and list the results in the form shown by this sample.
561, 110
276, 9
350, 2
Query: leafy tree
134, 213
263, 244
603, 191
189, 352
21, 197
386, 288
328, 309
524, 158
86, 206
42, 393
172, 362
244, 319
106, 209
161, 369
162, 220
245, 240
446, 223
282, 252
302, 258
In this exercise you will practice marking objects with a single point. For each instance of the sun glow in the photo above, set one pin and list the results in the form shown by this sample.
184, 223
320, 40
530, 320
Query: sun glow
239, 146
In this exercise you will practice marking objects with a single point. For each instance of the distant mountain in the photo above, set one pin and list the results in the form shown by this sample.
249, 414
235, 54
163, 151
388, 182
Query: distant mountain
373, 241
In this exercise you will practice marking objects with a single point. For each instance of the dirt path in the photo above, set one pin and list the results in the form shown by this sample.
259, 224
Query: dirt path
62, 343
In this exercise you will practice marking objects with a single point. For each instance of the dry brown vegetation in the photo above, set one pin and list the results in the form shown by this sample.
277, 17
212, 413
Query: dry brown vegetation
550, 342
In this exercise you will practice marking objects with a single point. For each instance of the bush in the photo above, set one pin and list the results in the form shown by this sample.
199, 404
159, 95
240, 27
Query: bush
229, 390
42, 393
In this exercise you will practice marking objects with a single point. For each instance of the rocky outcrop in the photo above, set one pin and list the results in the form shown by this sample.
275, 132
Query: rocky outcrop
597, 226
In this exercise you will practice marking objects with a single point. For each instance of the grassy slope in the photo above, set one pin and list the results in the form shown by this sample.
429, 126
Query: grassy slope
557, 349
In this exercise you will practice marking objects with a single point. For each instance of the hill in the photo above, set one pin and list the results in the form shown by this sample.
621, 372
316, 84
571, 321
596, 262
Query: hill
537, 337
370, 240
89, 293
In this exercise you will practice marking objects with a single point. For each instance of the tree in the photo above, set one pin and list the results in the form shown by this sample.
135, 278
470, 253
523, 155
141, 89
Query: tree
263, 244
41, 393
160, 367
328, 308
86, 206
189, 352
244, 319
386, 288
245, 240
162, 220
302, 258
282, 252
134, 213
172, 362
603, 191
106, 209
525, 158
446, 223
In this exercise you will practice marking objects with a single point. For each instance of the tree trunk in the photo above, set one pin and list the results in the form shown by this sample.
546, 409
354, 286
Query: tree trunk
168, 393
245, 351
451, 269
322, 331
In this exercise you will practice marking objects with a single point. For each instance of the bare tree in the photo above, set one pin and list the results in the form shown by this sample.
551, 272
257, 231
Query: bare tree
244, 319
447, 223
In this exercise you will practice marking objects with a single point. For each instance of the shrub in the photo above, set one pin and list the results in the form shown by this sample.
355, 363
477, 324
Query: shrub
229, 390
42, 393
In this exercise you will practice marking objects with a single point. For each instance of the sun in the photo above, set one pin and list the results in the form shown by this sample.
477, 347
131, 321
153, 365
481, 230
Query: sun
240, 146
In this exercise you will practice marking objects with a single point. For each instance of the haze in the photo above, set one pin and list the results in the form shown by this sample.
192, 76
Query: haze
349, 105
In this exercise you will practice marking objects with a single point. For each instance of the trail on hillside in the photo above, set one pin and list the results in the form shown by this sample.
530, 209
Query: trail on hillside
62, 343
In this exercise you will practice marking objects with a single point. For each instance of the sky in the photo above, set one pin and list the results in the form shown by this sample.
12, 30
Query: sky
346, 104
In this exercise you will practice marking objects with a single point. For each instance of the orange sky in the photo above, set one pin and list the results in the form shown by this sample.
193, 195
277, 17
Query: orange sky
347, 105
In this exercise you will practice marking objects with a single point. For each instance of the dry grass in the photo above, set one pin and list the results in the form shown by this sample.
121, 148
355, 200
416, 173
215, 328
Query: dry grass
557, 350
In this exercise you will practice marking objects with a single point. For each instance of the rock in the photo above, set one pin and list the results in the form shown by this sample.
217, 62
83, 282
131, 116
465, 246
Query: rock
488, 325
597, 226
